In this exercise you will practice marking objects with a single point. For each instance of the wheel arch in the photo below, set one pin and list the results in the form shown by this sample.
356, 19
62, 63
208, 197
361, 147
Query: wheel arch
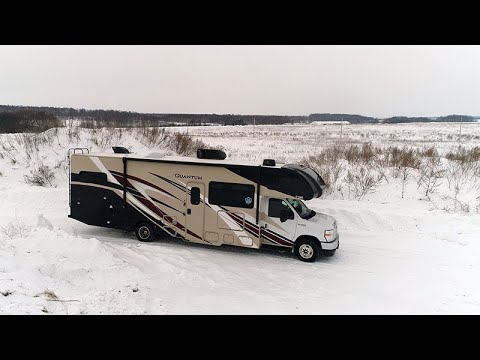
148, 221
297, 240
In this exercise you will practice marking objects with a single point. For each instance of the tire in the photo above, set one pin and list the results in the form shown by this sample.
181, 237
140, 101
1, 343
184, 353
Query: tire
145, 232
328, 253
306, 249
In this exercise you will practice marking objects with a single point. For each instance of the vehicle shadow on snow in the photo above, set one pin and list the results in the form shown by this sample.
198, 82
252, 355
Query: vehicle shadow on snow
125, 237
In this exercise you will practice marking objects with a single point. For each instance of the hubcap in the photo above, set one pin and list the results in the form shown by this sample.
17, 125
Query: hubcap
306, 251
144, 232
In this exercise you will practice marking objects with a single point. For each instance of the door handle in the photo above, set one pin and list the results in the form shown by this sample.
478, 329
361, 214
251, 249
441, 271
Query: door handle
189, 211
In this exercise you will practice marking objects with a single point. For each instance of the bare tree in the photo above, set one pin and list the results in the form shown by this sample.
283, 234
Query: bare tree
362, 181
405, 174
430, 174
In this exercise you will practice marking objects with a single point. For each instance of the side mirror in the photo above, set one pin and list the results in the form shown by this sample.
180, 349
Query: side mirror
285, 215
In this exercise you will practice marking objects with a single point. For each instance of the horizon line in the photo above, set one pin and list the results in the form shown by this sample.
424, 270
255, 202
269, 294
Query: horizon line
237, 114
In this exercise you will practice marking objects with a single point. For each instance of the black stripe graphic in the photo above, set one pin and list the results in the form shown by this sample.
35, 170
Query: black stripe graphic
178, 186
171, 182
166, 205
140, 180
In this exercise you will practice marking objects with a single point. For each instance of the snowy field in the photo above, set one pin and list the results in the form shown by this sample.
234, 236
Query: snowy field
293, 142
414, 254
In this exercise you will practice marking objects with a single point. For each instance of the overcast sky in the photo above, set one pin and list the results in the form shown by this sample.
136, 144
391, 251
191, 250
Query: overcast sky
293, 80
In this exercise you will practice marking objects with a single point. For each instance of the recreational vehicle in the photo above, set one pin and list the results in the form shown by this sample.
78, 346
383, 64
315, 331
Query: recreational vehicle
204, 199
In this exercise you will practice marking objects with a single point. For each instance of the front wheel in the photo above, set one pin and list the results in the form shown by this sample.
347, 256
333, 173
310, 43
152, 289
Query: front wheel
145, 232
306, 249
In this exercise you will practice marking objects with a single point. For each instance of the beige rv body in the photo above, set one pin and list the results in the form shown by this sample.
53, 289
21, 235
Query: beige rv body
162, 193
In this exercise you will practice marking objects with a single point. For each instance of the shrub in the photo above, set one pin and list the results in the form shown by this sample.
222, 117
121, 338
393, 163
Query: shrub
458, 176
361, 181
151, 137
328, 164
430, 174
400, 158
405, 175
183, 144
428, 152
464, 156
365, 154
40, 176
14, 229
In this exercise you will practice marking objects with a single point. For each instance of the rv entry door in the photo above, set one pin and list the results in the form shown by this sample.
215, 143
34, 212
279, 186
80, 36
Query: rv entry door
194, 212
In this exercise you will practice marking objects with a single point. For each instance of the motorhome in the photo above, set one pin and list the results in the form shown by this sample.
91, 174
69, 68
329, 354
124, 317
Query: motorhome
204, 199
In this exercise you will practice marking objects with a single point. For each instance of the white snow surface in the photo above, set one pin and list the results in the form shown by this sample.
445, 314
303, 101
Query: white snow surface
396, 256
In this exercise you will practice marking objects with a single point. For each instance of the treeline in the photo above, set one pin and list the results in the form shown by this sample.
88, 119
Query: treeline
32, 118
359, 119
405, 119
353, 119
138, 120
27, 121
92, 118
448, 118
113, 118
456, 118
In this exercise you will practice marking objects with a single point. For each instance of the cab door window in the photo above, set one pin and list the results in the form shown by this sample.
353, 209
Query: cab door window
276, 206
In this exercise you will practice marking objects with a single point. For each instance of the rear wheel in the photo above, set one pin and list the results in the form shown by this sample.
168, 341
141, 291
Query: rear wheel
145, 232
306, 249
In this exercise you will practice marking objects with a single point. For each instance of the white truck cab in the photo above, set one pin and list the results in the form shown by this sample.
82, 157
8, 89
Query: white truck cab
310, 233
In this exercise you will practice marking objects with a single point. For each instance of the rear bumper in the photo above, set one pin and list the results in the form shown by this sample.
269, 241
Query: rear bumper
332, 245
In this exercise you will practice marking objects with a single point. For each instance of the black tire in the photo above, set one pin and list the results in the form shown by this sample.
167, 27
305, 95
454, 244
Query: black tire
145, 232
306, 249
328, 253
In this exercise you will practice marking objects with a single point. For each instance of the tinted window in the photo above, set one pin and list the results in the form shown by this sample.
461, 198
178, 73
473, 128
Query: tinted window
275, 206
231, 194
195, 195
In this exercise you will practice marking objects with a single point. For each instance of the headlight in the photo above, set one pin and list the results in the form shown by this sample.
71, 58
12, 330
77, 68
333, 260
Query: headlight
329, 234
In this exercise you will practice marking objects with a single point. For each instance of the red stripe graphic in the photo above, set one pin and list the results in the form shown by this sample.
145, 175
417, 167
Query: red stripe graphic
167, 218
120, 180
146, 183
267, 234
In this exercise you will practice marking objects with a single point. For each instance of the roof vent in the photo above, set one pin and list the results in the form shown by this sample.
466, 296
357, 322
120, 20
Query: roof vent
269, 162
211, 154
120, 150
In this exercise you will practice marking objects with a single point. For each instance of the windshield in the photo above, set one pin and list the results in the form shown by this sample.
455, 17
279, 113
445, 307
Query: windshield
301, 208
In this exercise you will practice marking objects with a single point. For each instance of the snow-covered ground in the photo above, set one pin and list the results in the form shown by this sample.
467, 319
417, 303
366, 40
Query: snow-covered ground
293, 142
402, 256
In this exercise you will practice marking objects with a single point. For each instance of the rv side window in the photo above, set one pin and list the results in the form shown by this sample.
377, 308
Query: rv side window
195, 195
275, 206
231, 194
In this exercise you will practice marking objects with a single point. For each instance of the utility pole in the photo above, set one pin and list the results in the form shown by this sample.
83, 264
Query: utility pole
187, 126
254, 127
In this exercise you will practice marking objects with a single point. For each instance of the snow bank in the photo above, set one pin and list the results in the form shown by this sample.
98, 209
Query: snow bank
81, 276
